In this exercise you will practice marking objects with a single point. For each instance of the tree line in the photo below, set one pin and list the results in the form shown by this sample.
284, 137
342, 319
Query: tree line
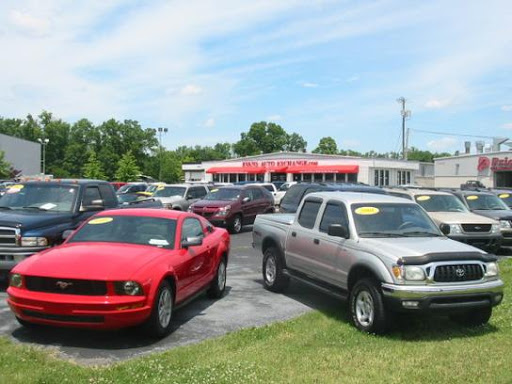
122, 150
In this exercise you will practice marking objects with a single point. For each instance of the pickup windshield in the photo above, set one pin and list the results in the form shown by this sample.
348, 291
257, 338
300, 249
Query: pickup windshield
228, 194
485, 202
170, 191
392, 220
440, 203
151, 231
43, 197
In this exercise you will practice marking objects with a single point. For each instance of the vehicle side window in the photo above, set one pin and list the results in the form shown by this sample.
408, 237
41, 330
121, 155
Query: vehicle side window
308, 213
257, 193
200, 192
191, 228
248, 193
91, 194
108, 195
191, 194
333, 214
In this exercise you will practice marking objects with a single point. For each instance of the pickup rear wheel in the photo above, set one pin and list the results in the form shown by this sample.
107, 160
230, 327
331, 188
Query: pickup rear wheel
159, 323
474, 317
367, 307
273, 264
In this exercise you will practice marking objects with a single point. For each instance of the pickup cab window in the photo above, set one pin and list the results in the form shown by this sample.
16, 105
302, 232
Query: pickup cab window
333, 214
91, 194
308, 213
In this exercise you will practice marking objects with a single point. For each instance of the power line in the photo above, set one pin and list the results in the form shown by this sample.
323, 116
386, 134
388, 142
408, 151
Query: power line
451, 134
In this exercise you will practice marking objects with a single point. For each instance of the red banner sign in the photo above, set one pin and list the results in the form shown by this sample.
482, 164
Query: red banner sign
496, 164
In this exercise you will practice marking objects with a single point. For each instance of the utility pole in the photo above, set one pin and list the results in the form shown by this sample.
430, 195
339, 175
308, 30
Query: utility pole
160, 131
405, 114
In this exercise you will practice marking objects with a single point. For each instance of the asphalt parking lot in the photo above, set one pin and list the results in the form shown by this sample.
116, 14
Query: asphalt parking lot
245, 304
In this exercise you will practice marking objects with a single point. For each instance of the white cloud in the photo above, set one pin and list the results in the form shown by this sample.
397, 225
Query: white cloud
191, 89
506, 108
309, 85
274, 118
507, 126
28, 23
437, 104
443, 144
209, 123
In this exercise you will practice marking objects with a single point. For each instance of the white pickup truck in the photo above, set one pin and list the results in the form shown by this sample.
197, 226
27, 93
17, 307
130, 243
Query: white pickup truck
383, 253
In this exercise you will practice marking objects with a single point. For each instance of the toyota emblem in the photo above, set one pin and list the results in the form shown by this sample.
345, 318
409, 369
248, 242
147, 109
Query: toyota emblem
460, 272
63, 284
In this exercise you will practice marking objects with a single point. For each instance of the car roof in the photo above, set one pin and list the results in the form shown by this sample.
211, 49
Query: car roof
417, 192
473, 192
359, 197
64, 181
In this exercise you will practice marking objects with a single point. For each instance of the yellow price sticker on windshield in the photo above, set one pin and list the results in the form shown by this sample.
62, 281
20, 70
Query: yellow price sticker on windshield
160, 187
15, 188
101, 220
504, 196
423, 198
472, 197
367, 211
213, 190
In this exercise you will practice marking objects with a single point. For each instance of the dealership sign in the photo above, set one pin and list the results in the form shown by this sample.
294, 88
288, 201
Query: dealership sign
278, 163
496, 164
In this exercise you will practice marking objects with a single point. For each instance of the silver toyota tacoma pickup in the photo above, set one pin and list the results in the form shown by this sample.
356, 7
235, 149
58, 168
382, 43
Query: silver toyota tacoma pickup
382, 253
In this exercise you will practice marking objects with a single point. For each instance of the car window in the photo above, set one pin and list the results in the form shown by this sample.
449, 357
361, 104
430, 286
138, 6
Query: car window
200, 192
107, 195
191, 228
257, 193
308, 213
333, 214
91, 194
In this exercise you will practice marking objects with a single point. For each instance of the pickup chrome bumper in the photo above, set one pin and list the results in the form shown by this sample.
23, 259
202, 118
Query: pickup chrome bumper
443, 297
10, 256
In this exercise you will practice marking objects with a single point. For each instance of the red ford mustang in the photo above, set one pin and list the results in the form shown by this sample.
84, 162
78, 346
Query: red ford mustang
122, 268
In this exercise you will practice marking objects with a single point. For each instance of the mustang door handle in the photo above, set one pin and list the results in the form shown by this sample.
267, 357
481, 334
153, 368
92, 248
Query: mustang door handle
294, 234
316, 241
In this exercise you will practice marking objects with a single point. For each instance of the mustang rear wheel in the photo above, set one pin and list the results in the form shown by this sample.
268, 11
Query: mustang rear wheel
218, 285
159, 323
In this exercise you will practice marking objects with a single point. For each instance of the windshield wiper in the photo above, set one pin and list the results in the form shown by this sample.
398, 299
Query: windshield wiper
428, 234
5, 207
381, 234
34, 207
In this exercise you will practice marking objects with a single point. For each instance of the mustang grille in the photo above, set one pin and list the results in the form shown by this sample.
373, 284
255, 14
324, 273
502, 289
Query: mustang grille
66, 318
458, 272
476, 227
66, 286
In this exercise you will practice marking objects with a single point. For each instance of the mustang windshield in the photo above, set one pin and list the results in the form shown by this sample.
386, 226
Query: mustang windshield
440, 203
392, 220
151, 231
42, 197
228, 194
485, 202
170, 191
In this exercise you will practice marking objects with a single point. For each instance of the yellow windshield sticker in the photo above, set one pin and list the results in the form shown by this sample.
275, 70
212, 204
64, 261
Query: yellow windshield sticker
504, 196
423, 198
213, 190
101, 220
472, 197
367, 211
15, 188
160, 187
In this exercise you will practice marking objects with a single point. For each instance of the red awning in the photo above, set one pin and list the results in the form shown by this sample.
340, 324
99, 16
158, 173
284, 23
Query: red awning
236, 170
323, 168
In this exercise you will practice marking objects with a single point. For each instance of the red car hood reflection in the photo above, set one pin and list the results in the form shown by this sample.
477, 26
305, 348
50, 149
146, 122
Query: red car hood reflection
91, 261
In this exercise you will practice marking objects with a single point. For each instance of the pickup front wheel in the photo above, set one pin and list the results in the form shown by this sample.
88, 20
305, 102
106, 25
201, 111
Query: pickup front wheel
273, 277
367, 307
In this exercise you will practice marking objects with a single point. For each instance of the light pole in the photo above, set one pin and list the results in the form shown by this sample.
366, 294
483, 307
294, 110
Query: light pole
160, 131
405, 114
44, 142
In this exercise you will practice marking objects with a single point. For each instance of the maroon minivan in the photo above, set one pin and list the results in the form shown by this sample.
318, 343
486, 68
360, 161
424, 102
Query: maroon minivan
234, 206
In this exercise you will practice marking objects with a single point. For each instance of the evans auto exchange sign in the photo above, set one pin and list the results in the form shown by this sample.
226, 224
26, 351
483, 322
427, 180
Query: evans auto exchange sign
495, 164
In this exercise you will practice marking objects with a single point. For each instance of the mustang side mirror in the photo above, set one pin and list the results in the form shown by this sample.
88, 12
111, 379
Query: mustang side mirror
192, 242
445, 228
338, 230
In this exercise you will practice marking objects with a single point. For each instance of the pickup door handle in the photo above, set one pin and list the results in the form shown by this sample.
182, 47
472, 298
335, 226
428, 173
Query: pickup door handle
316, 241
294, 234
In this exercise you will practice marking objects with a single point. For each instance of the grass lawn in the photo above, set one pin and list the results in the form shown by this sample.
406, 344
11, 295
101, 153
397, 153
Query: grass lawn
314, 348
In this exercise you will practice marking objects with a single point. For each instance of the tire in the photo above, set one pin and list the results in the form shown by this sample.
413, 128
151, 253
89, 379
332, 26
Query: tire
367, 309
273, 277
159, 323
218, 286
473, 318
236, 224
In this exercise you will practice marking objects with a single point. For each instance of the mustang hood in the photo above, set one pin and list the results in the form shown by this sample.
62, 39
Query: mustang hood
98, 261
32, 219
394, 248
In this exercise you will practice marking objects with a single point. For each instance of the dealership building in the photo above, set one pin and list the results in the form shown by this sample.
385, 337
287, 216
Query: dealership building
23, 155
492, 169
305, 167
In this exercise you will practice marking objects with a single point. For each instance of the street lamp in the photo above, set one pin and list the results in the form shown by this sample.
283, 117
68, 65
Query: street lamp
160, 131
43, 142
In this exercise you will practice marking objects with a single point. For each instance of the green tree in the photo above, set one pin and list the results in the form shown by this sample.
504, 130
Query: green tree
127, 169
262, 137
327, 145
93, 168
296, 143
5, 167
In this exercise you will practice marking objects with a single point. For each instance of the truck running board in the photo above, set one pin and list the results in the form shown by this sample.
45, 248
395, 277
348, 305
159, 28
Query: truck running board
319, 285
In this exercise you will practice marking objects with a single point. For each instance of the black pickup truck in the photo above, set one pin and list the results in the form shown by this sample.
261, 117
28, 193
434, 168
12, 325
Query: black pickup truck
35, 214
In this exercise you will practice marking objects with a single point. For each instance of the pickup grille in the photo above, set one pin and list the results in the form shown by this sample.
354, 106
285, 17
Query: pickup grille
458, 272
66, 286
8, 237
476, 227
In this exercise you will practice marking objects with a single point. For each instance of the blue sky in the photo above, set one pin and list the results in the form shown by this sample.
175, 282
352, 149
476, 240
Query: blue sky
208, 69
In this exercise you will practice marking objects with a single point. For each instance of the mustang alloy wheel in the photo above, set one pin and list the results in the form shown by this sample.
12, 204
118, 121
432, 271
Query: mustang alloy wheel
218, 285
159, 323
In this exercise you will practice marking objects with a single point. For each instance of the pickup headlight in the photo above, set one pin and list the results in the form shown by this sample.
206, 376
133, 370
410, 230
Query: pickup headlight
505, 224
495, 228
224, 210
15, 280
131, 288
491, 269
455, 229
34, 241
409, 272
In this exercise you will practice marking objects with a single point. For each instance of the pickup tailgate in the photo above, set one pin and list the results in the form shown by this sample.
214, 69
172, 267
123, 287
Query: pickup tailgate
273, 227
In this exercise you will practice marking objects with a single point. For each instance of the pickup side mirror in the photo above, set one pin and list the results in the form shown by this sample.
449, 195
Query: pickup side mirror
338, 230
94, 205
445, 228
66, 234
192, 242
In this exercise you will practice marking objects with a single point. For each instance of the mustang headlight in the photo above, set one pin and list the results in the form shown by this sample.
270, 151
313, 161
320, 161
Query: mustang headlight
505, 224
15, 280
491, 269
34, 241
130, 288
455, 229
